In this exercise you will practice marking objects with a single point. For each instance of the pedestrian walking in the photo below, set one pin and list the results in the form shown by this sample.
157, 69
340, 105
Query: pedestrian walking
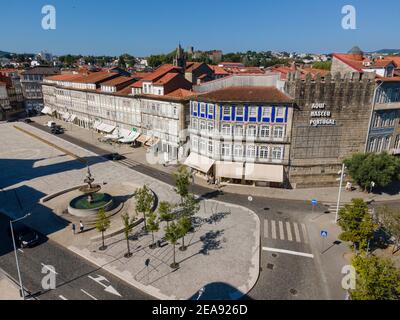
81, 226
74, 228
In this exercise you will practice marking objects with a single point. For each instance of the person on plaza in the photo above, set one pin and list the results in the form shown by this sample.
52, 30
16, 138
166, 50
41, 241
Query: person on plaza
349, 186
81, 226
74, 228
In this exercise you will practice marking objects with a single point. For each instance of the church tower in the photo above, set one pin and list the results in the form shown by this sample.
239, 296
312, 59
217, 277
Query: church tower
180, 58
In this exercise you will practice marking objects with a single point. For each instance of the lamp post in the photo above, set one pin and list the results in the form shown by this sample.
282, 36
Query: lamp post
342, 175
16, 254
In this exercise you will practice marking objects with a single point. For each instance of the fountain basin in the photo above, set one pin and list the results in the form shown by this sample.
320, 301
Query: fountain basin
81, 207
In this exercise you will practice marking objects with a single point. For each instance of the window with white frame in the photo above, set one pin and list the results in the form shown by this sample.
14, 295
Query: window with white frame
226, 111
251, 151
263, 152
238, 150
226, 150
195, 124
210, 109
280, 112
279, 131
203, 146
210, 127
226, 129
194, 107
203, 126
195, 143
210, 147
277, 153
253, 112
239, 131
239, 112
202, 108
265, 131
251, 131
266, 112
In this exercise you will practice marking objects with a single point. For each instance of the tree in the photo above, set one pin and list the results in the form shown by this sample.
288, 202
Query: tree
356, 223
379, 168
190, 206
185, 225
323, 65
165, 211
172, 234
377, 279
182, 182
153, 226
144, 202
390, 220
102, 224
128, 224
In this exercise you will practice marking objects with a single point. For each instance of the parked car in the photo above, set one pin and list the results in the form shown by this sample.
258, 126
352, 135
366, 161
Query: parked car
51, 124
57, 130
24, 236
115, 157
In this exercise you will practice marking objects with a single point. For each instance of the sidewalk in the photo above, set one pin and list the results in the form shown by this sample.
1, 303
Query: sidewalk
138, 155
8, 290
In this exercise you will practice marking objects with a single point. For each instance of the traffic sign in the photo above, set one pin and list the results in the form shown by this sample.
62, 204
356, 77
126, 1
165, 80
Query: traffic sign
314, 202
324, 233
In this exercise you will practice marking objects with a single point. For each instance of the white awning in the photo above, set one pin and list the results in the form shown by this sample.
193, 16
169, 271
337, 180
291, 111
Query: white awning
124, 133
72, 118
66, 116
226, 169
264, 172
199, 162
107, 128
131, 138
96, 124
47, 110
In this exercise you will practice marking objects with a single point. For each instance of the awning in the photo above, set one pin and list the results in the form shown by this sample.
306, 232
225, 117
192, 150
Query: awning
124, 133
152, 142
143, 139
47, 110
107, 128
96, 124
199, 162
226, 169
264, 172
65, 116
131, 138
72, 118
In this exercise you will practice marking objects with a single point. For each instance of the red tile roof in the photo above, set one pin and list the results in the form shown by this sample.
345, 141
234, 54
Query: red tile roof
117, 81
218, 70
66, 77
246, 94
137, 84
165, 79
160, 72
181, 93
96, 77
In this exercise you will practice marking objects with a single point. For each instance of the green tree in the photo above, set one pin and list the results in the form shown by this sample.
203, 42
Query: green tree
323, 65
128, 225
377, 279
102, 224
182, 182
369, 167
165, 211
172, 234
190, 206
153, 225
185, 225
356, 223
390, 220
144, 202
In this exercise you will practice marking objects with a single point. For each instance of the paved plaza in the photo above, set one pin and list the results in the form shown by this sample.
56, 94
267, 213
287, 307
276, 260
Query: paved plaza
223, 252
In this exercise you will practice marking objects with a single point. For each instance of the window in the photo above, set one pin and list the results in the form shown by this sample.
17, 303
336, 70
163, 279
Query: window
251, 131
251, 151
226, 150
195, 124
263, 152
277, 153
210, 127
266, 112
195, 143
265, 131
202, 146
239, 111
210, 109
203, 126
238, 150
253, 112
280, 112
210, 147
194, 107
278, 131
239, 131
226, 111
226, 129
203, 108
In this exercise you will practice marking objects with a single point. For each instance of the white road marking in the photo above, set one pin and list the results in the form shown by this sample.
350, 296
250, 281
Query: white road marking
281, 234
273, 229
266, 228
88, 294
62, 297
289, 231
20, 250
303, 227
48, 268
302, 254
107, 288
296, 232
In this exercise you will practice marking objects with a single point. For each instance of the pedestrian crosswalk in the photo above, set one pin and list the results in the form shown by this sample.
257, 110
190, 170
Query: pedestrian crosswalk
332, 207
285, 231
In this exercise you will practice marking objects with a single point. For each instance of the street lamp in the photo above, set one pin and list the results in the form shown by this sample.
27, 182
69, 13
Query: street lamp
342, 175
15, 252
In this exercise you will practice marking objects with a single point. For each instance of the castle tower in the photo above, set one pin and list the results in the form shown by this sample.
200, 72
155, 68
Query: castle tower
180, 58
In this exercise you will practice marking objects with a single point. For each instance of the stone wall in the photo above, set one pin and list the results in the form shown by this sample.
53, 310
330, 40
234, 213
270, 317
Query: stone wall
340, 108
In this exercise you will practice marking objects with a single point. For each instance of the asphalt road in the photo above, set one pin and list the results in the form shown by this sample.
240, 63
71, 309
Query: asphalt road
75, 278
282, 276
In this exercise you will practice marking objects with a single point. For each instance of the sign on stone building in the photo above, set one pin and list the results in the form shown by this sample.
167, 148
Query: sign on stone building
320, 116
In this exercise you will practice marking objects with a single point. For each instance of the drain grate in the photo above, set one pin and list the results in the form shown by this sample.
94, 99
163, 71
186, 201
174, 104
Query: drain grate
270, 266
293, 292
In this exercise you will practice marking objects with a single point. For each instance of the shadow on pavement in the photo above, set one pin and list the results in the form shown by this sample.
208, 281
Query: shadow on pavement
219, 291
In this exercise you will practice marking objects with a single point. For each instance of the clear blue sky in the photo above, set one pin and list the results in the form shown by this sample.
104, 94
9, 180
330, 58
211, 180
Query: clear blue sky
142, 27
